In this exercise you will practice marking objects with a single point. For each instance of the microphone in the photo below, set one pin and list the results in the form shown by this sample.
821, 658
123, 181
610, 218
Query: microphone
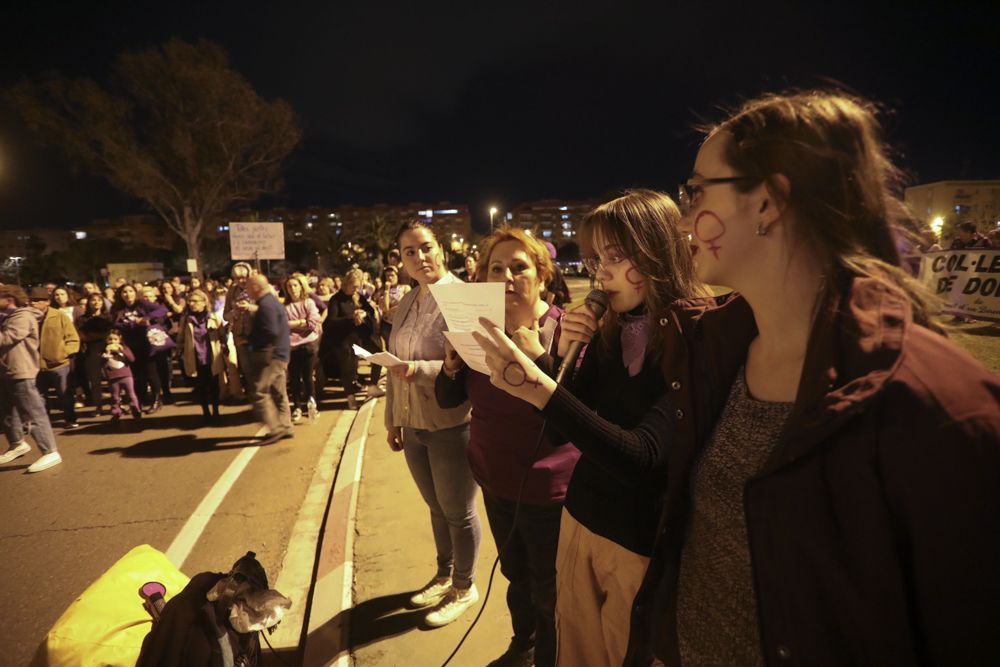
597, 301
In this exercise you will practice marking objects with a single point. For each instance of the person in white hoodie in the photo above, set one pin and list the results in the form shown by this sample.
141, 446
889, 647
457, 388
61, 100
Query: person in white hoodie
18, 370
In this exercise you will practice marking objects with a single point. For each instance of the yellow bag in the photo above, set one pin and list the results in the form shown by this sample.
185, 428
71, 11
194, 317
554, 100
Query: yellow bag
106, 625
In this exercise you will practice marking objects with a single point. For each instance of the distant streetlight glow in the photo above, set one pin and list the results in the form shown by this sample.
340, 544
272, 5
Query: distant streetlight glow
493, 212
17, 267
937, 224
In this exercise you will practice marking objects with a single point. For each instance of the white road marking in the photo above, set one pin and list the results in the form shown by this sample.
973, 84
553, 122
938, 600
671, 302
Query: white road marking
181, 547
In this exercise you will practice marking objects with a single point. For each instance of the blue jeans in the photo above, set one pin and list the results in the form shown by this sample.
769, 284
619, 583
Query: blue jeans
58, 379
440, 466
21, 396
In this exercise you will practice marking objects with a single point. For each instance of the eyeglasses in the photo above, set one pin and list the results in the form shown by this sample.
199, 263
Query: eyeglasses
595, 264
689, 191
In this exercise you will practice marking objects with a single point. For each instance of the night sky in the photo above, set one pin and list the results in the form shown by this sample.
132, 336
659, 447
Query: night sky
483, 102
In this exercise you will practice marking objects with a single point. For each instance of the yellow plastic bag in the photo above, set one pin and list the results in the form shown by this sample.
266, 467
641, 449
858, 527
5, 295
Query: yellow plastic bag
106, 625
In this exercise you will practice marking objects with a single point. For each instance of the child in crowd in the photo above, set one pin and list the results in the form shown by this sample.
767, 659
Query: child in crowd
117, 358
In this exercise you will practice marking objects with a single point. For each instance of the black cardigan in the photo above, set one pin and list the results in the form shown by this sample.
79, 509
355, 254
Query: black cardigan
621, 503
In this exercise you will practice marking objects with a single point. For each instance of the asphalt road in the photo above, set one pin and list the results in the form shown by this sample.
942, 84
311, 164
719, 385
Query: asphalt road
138, 483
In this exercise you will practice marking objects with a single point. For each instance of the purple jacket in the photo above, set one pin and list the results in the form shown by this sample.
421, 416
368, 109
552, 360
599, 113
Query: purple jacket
122, 356
133, 333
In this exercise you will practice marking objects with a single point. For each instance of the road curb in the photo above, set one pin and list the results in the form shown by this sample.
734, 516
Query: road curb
326, 641
295, 580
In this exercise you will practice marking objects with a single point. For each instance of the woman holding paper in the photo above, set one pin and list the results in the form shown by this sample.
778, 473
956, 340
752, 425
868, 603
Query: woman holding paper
511, 458
432, 439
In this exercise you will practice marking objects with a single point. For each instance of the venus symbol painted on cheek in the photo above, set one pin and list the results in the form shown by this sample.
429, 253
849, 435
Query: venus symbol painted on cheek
634, 278
515, 376
709, 228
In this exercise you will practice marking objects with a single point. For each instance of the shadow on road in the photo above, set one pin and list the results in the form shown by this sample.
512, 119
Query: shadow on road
381, 618
177, 445
183, 422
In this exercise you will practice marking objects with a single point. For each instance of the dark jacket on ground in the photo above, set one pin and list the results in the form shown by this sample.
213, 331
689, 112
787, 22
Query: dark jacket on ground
186, 634
270, 328
874, 527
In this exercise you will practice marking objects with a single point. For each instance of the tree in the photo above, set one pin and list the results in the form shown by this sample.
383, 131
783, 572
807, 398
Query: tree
176, 127
378, 235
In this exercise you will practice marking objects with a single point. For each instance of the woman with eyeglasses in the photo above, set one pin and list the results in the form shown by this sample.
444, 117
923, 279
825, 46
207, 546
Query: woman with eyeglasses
833, 490
632, 245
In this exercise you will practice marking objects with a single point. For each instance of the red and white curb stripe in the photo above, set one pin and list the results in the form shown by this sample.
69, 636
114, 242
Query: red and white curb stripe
326, 642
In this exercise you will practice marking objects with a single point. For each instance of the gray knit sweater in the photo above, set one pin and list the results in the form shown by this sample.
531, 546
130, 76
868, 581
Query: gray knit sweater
716, 605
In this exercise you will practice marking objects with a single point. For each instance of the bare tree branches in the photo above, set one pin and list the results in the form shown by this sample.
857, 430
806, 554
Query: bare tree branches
175, 126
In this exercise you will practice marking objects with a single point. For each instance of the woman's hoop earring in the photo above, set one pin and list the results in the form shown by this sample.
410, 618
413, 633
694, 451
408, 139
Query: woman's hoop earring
761, 229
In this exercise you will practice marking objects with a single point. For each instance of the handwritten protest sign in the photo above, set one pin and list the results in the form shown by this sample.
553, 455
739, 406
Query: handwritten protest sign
968, 281
257, 240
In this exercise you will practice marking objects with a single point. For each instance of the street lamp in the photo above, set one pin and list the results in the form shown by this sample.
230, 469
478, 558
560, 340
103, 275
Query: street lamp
17, 267
493, 212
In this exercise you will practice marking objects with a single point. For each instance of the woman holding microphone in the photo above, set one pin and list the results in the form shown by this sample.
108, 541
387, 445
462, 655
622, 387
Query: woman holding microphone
833, 461
511, 458
433, 439
633, 246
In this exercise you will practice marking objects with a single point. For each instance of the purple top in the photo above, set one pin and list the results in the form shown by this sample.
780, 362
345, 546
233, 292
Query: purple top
133, 333
199, 330
116, 364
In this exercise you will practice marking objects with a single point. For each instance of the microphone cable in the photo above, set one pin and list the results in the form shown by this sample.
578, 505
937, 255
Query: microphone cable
507, 541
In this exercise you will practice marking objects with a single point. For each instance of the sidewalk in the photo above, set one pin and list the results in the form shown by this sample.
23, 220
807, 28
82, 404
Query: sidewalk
393, 555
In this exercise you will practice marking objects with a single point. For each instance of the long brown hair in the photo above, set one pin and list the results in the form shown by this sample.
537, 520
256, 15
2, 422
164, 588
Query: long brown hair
843, 186
644, 223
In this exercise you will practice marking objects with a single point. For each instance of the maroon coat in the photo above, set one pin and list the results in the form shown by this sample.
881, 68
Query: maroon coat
874, 526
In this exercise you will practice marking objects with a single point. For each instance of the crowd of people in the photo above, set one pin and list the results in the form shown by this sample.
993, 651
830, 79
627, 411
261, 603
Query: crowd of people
802, 470
120, 350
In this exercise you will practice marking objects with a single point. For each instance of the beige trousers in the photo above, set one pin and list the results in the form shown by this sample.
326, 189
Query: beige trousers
596, 582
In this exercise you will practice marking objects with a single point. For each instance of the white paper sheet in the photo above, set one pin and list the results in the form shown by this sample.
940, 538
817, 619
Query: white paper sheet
469, 350
385, 359
462, 304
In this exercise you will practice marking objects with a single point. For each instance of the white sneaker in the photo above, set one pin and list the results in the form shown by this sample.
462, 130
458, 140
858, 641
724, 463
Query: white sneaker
21, 449
453, 605
297, 415
312, 410
432, 592
45, 462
